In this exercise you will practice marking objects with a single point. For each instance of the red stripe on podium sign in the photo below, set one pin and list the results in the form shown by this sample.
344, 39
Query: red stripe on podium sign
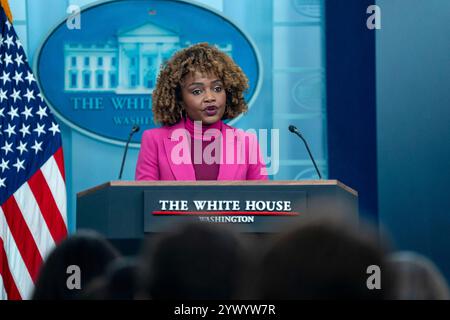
226, 213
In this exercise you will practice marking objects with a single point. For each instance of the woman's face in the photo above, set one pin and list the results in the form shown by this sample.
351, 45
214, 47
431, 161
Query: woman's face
204, 97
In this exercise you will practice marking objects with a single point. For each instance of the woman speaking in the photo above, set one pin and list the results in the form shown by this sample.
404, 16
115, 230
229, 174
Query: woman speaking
196, 89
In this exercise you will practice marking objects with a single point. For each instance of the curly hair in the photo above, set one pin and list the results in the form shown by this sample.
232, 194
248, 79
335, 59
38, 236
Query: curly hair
205, 59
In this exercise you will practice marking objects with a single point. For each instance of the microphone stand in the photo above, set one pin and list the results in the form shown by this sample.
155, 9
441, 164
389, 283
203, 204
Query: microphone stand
133, 131
293, 129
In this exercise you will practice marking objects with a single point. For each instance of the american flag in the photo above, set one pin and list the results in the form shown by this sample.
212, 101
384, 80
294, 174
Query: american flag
32, 183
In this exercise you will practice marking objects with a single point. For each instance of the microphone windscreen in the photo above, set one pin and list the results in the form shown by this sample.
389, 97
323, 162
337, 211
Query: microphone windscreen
292, 128
136, 128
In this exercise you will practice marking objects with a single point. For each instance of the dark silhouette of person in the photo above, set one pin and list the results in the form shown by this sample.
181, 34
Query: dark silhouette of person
194, 261
118, 283
417, 277
322, 258
88, 251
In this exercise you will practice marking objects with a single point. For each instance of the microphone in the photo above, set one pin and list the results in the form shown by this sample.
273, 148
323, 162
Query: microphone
294, 129
135, 129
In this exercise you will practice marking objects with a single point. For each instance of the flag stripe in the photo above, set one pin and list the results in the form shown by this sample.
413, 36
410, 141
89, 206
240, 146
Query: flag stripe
56, 183
22, 237
21, 277
8, 287
34, 219
49, 209
3, 295
59, 158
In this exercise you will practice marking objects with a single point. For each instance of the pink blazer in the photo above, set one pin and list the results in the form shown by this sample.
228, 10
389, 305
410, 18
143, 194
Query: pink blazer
154, 160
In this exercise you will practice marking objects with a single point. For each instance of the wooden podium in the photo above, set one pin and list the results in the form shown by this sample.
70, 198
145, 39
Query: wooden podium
125, 211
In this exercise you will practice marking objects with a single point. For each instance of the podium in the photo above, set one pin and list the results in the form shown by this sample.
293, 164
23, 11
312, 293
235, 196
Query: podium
126, 211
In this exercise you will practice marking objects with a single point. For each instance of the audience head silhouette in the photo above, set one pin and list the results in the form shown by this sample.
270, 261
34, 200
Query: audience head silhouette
118, 283
194, 261
417, 278
86, 253
322, 258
